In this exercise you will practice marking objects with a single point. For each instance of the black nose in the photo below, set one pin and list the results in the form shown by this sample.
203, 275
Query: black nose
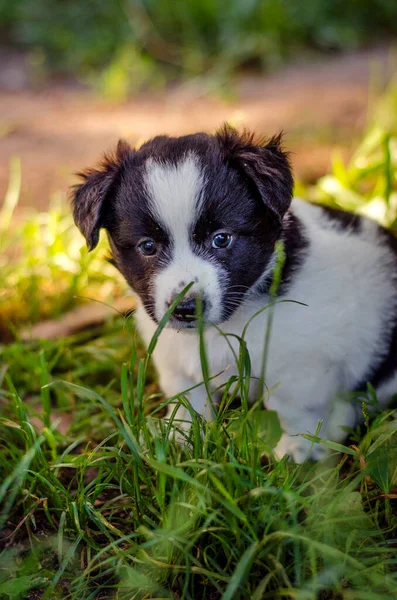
186, 310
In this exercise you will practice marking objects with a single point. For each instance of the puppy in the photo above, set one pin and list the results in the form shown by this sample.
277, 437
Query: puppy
208, 209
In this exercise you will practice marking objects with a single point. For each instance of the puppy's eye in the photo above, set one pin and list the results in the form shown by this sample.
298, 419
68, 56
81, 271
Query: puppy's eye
222, 240
147, 247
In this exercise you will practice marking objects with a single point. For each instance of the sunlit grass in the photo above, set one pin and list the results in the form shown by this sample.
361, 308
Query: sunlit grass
367, 184
44, 263
111, 507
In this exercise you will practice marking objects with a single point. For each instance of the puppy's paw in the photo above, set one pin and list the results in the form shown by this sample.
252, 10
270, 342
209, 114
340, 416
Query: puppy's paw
179, 432
298, 449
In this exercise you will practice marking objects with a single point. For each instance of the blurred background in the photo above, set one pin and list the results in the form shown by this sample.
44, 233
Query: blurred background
75, 76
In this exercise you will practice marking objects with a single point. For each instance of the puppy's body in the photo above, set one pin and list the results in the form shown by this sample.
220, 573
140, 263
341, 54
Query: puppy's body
339, 341
186, 196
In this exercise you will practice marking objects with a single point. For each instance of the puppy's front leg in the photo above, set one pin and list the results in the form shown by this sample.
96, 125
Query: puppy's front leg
294, 445
301, 407
174, 385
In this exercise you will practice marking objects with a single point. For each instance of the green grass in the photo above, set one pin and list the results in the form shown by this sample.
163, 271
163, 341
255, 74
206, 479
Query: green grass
114, 505
111, 508
44, 264
367, 185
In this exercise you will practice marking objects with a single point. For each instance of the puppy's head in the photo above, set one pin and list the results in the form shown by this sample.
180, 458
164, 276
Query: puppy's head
200, 208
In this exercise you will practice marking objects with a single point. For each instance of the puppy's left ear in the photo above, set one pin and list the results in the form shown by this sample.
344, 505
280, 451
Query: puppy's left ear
264, 162
92, 199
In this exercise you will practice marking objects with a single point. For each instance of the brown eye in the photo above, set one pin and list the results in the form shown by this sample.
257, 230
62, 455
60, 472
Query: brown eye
222, 240
147, 247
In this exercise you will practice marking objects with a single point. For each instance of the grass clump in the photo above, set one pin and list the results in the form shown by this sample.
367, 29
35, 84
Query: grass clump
122, 511
109, 507
44, 264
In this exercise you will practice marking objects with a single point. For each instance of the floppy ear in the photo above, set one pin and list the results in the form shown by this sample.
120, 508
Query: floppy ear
264, 162
91, 199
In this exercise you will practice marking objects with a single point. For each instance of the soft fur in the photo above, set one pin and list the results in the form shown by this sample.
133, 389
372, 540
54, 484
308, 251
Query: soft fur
181, 192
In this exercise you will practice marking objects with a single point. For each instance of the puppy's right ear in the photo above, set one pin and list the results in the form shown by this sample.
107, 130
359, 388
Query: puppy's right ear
264, 162
91, 199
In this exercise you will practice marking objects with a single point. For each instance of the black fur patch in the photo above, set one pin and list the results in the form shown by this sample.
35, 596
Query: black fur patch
92, 198
343, 220
296, 245
385, 368
264, 162
388, 367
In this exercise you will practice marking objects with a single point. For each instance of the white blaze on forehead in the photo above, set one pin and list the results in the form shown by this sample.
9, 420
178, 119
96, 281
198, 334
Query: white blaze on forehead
175, 193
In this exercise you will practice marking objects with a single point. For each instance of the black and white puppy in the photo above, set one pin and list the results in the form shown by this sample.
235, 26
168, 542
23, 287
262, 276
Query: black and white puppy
208, 209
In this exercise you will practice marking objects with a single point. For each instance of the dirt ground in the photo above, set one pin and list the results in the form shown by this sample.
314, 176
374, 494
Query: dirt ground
57, 130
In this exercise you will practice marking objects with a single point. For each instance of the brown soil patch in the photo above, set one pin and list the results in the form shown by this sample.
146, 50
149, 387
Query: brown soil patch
61, 129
